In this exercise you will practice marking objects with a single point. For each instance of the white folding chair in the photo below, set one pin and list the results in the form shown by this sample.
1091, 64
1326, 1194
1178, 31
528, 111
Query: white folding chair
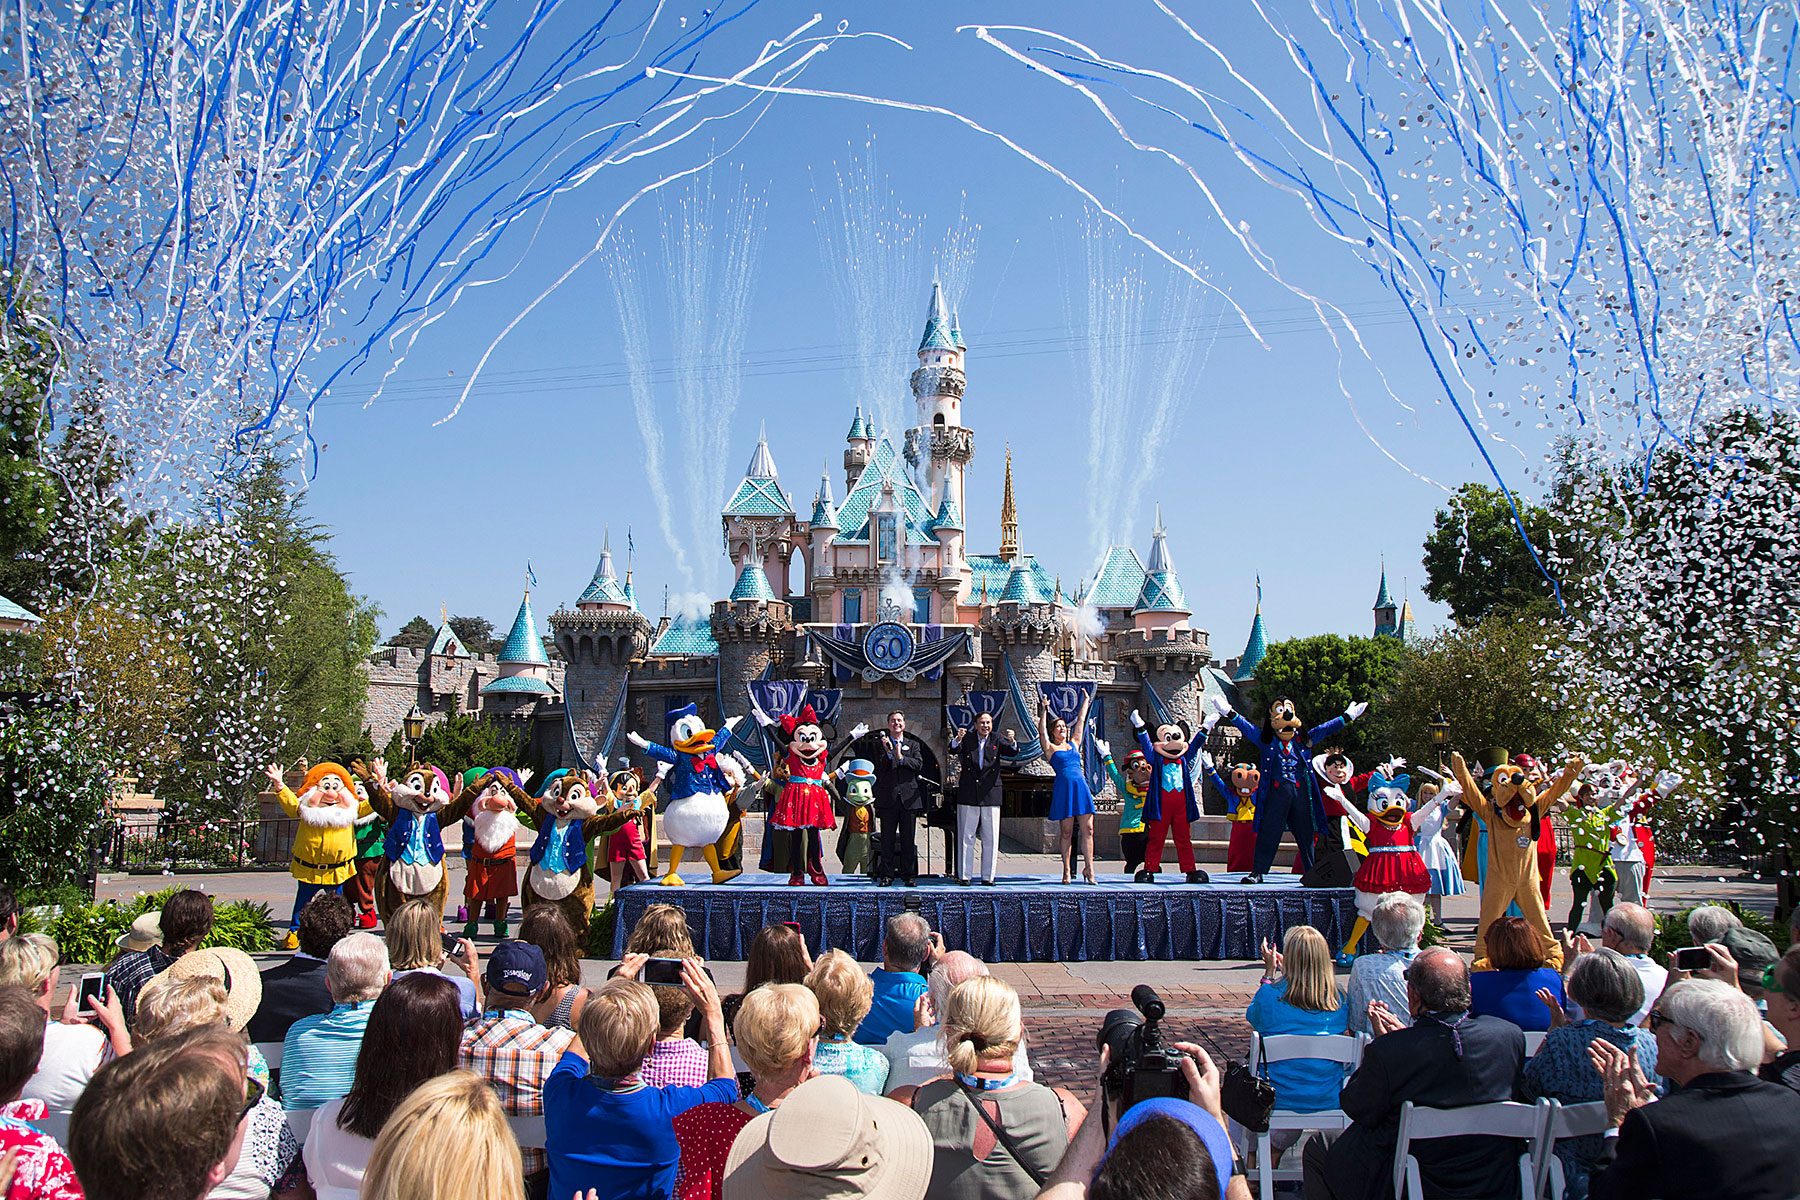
1571, 1121
271, 1052
528, 1132
1281, 1047
299, 1123
1504, 1118
1534, 1041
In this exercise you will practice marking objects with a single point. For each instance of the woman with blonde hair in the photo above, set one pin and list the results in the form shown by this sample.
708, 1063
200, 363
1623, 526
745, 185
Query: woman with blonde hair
447, 1140
415, 941
75, 1046
777, 1032
1299, 994
994, 1136
845, 995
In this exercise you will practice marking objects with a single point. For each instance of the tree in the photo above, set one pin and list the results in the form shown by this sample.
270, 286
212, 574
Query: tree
54, 783
133, 677
416, 634
477, 634
27, 490
1493, 681
461, 741
1476, 562
1324, 675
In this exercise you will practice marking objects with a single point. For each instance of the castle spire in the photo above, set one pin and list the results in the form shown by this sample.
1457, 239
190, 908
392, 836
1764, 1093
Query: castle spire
1387, 613
937, 323
762, 463
1256, 647
1009, 515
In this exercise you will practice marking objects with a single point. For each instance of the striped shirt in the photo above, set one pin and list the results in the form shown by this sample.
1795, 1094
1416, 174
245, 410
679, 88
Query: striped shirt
318, 1056
515, 1055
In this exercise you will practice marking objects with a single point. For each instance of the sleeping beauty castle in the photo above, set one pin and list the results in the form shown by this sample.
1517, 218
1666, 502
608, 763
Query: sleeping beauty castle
897, 611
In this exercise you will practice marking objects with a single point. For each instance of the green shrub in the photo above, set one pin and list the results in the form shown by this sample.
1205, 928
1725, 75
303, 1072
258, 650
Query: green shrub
600, 931
89, 933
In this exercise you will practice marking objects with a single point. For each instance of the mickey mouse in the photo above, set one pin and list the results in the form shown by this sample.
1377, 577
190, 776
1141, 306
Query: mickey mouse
1174, 796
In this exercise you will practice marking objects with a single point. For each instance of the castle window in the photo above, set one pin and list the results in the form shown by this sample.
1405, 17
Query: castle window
922, 606
938, 420
885, 537
852, 606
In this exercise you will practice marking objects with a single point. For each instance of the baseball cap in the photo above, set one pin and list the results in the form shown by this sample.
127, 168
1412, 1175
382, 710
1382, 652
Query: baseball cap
517, 968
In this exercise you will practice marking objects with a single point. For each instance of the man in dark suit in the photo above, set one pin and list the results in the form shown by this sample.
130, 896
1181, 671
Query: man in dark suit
1445, 1059
1721, 1131
296, 988
978, 755
906, 777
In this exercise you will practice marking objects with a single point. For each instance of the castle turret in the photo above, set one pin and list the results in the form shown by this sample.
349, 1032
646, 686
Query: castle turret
760, 514
940, 443
859, 446
947, 528
600, 640
604, 592
1387, 613
524, 668
1023, 626
1256, 647
750, 628
1162, 645
819, 532
1161, 603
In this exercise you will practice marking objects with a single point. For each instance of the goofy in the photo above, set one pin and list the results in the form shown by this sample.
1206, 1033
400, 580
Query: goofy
1287, 794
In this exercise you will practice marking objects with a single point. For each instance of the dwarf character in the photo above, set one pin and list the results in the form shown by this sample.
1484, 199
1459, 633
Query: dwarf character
371, 832
1133, 785
493, 847
324, 851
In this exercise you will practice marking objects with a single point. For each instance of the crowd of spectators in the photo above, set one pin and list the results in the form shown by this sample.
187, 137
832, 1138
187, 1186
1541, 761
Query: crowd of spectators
412, 1068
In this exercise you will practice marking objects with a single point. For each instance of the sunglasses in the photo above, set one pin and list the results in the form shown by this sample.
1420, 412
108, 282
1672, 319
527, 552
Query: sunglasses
1657, 1019
253, 1094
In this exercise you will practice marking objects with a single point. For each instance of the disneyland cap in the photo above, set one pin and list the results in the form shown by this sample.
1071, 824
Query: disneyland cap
1206, 1126
828, 1140
517, 968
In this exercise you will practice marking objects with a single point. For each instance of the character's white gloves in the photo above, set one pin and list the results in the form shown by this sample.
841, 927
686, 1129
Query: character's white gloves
1218, 707
1356, 710
1104, 747
1137, 721
858, 730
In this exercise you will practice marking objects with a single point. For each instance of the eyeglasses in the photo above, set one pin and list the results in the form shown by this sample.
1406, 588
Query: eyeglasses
253, 1094
1657, 1019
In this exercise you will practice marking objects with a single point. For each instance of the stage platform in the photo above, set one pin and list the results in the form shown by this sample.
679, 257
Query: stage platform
1024, 918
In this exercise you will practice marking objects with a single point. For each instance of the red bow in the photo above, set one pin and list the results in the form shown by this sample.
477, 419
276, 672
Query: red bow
807, 717
705, 762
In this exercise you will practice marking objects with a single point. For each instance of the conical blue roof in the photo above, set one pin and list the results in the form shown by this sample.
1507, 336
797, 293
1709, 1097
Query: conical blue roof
604, 587
937, 324
1020, 587
824, 514
630, 592
752, 584
956, 330
1254, 650
859, 428
523, 644
949, 516
1162, 589
1382, 598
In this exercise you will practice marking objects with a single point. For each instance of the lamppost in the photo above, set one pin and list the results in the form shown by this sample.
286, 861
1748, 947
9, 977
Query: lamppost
413, 724
1065, 658
1440, 734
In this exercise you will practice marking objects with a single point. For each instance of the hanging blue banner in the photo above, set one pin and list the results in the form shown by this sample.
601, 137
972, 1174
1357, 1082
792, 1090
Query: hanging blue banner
828, 703
1065, 698
960, 716
991, 703
778, 697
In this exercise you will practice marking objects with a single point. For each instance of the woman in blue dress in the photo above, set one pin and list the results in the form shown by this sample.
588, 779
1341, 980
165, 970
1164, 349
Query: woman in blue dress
1071, 801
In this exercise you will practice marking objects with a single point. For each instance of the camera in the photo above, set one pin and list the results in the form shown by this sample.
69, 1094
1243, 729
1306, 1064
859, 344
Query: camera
1140, 1067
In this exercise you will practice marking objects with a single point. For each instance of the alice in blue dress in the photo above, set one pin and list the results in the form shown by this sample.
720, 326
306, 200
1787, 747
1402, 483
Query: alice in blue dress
1070, 795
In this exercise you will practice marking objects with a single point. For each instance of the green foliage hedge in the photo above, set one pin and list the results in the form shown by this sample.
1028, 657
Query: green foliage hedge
89, 933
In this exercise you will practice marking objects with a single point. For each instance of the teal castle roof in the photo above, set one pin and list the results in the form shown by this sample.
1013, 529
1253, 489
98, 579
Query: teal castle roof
956, 330
1162, 589
760, 494
1254, 649
1382, 598
937, 324
1021, 587
752, 584
523, 644
446, 641
824, 513
1120, 582
604, 587
992, 573
529, 685
859, 428
884, 469
949, 516
687, 636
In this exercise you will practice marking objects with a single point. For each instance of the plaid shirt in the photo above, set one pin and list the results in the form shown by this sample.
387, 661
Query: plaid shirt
515, 1054
675, 1062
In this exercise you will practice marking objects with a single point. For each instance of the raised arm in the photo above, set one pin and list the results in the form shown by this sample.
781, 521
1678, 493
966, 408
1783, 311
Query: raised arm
290, 803
1565, 779
1449, 792
375, 782
1471, 792
1079, 728
1043, 724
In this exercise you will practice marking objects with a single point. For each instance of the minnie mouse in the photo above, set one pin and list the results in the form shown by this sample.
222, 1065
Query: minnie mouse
805, 804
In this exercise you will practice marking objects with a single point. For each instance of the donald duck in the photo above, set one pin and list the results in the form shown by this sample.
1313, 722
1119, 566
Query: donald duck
698, 813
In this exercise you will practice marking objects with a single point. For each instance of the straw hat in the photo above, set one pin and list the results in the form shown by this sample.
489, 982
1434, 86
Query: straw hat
144, 933
829, 1141
235, 969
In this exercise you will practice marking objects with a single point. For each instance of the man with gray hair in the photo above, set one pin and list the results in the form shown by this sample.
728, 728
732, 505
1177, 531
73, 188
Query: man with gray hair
1722, 1132
318, 1056
1445, 1059
907, 950
1397, 922
1631, 929
918, 1055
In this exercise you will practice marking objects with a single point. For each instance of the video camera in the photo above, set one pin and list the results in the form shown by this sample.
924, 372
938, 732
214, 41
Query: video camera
1140, 1066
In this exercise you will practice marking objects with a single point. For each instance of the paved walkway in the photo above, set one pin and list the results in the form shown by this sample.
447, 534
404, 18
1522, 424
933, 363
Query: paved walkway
1064, 1002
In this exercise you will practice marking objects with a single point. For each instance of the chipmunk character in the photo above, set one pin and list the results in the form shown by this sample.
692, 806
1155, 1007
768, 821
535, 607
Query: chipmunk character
324, 853
697, 814
414, 807
567, 812
1512, 813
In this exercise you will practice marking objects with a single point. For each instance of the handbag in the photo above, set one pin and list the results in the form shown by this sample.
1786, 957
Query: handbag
1246, 1097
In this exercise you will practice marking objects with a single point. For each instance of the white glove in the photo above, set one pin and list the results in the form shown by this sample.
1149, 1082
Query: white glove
525, 775
1451, 789
732, 723
637, 740
1218, 707
663, 769
1206, 760
1667, 781
858, 730
1356, 710
1104, 747
1137, 722
762, 718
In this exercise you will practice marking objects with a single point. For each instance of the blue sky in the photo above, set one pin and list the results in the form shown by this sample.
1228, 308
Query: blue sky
1265, 472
